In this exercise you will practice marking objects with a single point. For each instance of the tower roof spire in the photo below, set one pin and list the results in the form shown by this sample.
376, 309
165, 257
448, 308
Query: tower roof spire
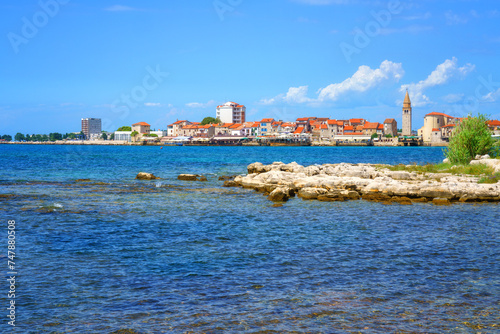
407, 102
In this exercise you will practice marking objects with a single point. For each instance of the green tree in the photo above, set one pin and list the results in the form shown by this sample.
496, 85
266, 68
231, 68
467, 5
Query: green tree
210, 120
104, 135
28, 137
470, 138
135, 133
55, 136
19, 137
125, 128
7, 137
375, 135
388, 136
112, 137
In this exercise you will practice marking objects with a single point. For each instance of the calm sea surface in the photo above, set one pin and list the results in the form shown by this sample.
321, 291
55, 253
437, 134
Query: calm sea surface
118, 255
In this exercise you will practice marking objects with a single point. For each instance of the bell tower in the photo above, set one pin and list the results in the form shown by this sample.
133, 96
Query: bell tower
406, 116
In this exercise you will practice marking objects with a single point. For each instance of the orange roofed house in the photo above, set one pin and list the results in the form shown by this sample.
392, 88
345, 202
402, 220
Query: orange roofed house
432, 132
142, 127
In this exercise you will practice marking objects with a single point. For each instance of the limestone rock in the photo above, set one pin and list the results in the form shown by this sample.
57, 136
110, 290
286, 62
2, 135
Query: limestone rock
441, 201
191, 177
280, 194
146, 176
311, 193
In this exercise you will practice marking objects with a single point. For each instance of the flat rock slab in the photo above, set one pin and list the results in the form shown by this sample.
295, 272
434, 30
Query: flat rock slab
192, 177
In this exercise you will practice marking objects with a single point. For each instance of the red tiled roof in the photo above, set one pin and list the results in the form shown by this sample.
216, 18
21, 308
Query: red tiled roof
369, 125
439, 114
435, 129
340, 123
303, 119
179, 122
235, 125
448, 126
324, 126
226, 125
287, 125
380, 127
267, 120
356, 120
141, 123
348, 127
331, 122
494, 123
353, 134
299, 130
256, 125
389, 120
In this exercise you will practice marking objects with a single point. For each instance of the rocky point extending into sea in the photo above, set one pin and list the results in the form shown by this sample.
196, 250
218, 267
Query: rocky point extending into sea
344, 181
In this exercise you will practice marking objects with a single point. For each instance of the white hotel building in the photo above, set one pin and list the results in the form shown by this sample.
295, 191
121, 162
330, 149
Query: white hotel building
231, 112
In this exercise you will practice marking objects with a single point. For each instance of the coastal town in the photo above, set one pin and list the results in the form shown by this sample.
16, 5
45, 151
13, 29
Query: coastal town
230, 128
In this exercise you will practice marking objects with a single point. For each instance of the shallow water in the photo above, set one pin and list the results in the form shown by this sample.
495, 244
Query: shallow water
172, 256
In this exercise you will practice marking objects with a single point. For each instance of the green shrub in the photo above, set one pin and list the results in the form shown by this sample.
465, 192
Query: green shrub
470, 138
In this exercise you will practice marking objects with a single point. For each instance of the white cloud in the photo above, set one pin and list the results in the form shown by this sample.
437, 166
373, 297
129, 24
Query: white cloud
119, 8
492, 96
413, 29
364, 79
324, 2
152, 104
424, 16
442, 74
200, 105
453, 98
453, 19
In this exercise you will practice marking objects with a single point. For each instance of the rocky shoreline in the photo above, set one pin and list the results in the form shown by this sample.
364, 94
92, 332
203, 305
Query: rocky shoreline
344, 181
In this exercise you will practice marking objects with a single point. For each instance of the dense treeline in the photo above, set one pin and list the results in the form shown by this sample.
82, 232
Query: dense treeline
43, 137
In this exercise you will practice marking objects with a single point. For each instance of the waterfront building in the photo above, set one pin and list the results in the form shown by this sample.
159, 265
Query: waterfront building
287, 128
355, 122
390, 127
91, 128
123, 136
431, 132
348, 129
306, 123
380, 130
370, 128
237, 129
231, 112
159, 133
494, 126
223, 129
142, 128
407, 110
266, 126
174, 129
276, 127
333, 127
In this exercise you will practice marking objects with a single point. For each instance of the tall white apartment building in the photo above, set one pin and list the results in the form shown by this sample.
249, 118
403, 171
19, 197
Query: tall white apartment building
91, 128
231, 112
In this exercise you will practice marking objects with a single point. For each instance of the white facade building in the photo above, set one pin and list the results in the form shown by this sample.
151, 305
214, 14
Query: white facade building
231, 112
123, 136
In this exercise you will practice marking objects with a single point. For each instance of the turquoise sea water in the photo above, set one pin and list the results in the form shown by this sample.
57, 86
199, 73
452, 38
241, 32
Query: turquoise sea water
169, 256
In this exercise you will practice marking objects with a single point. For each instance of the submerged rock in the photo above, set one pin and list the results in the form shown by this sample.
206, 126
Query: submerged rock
146, 176
192, 177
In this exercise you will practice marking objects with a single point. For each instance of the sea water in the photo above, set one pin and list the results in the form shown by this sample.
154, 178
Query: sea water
100, 252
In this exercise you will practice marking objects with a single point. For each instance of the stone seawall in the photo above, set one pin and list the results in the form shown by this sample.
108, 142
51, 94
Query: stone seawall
342, 182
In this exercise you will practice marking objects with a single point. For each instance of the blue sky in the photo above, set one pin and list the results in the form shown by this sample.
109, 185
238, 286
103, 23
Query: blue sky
159, 61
